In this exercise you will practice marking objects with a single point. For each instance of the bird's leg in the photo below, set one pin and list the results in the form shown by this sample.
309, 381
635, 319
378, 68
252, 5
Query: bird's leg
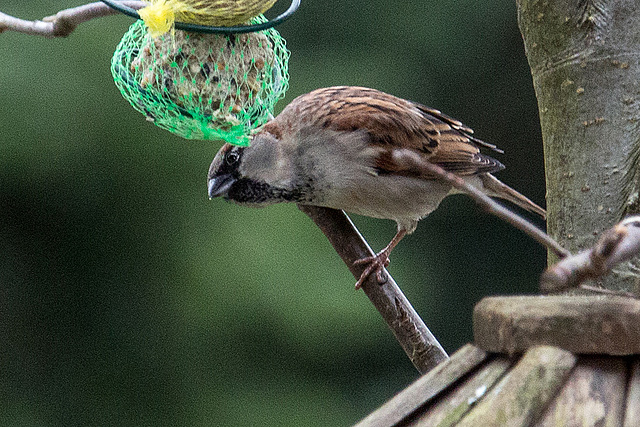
378, 261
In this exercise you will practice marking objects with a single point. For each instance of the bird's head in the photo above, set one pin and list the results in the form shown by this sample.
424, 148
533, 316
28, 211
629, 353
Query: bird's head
254, 175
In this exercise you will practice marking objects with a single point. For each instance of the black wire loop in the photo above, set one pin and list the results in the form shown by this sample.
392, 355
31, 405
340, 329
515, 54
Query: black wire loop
295, 4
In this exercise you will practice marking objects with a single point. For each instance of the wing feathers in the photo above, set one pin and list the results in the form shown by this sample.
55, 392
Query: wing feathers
394, 123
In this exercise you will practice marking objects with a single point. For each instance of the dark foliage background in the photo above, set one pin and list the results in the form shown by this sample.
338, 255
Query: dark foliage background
128, 298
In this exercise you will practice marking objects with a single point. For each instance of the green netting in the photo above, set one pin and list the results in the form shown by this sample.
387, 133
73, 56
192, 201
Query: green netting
203, 86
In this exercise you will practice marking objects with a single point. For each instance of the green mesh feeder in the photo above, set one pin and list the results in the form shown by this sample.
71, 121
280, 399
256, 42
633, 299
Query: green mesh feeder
203, 86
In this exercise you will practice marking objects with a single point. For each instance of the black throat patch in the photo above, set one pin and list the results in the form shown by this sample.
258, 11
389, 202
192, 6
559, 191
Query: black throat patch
248, 191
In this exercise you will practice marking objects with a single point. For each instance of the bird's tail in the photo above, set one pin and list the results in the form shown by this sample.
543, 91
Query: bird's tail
497, 188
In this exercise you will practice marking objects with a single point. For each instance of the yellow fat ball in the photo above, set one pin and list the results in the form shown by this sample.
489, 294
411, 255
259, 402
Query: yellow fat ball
160, 15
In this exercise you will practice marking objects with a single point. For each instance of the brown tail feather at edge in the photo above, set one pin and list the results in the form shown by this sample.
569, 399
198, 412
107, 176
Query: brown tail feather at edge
503, 191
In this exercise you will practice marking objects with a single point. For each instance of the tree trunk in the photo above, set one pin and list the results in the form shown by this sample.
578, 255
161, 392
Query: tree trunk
585, 62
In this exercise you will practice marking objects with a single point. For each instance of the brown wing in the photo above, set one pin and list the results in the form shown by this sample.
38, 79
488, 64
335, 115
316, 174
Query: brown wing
393, 123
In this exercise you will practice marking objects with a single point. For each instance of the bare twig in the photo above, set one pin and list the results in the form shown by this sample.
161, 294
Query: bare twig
618, 244
422, 348
62, 23
486, 202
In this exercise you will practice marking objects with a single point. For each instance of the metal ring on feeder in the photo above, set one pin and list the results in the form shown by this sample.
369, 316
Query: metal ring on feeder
214, 30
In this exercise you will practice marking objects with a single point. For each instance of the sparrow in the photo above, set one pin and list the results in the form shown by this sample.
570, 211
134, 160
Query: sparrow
346, 148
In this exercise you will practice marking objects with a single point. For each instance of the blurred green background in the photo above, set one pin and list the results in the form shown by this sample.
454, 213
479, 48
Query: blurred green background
128, 298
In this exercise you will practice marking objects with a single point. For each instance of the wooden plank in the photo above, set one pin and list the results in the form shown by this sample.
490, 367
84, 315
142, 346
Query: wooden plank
521, 396
580, 324
592, 396
632, 412
448, 410
426, 387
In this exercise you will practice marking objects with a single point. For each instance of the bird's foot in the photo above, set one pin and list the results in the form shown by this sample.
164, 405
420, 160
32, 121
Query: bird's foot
375, 264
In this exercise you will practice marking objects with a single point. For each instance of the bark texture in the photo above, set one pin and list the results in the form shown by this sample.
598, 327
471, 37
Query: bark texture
417, 341
585, 62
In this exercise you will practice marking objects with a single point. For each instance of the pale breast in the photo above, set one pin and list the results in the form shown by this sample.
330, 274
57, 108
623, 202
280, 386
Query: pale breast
404, 200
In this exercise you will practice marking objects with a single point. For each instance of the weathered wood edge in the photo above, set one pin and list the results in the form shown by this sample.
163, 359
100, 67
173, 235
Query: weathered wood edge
580, 324
426, 387
521, 395
591, 395
452, 407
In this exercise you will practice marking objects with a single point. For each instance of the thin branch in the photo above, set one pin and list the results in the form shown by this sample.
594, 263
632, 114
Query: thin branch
422, 348
62, 23
618, 244
486, 202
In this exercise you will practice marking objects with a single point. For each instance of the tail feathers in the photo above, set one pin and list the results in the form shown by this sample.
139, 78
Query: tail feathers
497, 188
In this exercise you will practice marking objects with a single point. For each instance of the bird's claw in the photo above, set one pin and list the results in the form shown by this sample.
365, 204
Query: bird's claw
376, 263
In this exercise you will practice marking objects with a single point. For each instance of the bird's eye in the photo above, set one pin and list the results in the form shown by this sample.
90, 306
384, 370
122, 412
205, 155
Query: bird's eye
231, 158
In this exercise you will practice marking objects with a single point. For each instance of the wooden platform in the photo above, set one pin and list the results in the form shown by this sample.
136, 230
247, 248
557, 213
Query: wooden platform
580, 324
538, 361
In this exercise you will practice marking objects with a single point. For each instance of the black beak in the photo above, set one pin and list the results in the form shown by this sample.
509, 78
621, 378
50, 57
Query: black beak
220, 185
